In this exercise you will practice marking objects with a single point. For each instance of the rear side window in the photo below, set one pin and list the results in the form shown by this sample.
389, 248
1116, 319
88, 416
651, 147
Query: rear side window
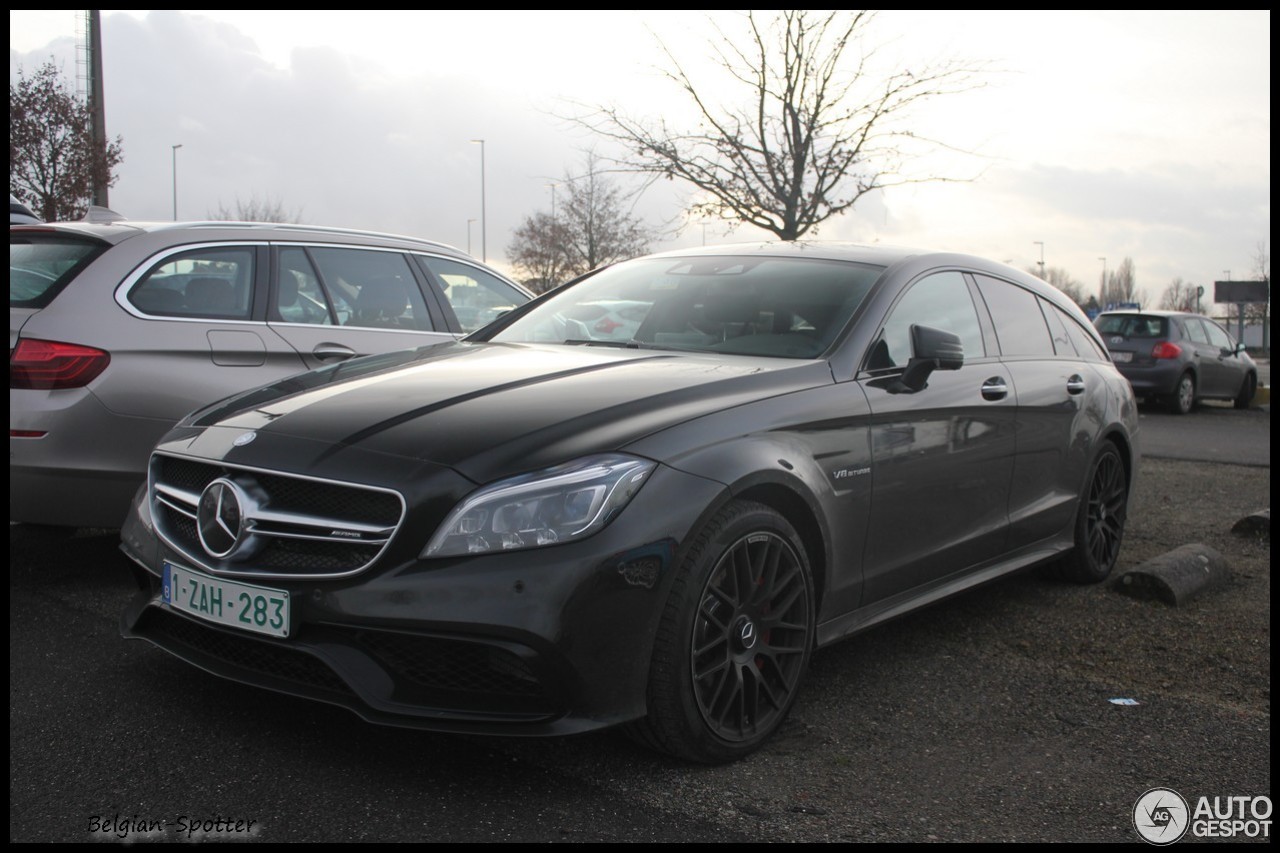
40, 265
1020, 327
210, 283
1195, 331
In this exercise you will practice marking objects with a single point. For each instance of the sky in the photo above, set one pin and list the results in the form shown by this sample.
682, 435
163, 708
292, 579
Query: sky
1094, 135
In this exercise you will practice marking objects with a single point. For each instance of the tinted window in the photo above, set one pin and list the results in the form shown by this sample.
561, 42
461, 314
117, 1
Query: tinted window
782, 307
1020, 327
1132, 325
40, 265
371, 289
477, 298
940, 301
213, 283
1062, 344
1085, 345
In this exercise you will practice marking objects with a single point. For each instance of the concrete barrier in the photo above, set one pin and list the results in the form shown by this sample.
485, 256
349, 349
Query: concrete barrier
1176, 576
1256, 525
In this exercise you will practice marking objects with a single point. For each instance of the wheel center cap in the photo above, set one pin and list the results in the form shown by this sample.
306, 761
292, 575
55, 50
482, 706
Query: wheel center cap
746, 633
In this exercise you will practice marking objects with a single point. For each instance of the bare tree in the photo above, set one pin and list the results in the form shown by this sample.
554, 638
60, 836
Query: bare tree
1122, 284
53, 161
537, 252
816, 130
1061, 279
592, 227
1179, 295
256, 209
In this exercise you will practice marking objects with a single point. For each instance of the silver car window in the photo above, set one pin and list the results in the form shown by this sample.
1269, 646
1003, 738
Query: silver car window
212, 283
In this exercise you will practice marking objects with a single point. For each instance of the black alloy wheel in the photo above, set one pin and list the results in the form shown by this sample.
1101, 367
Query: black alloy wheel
1100, 520
735, 638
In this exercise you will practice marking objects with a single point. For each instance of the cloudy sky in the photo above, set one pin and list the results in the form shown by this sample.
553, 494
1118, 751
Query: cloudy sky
1099, 134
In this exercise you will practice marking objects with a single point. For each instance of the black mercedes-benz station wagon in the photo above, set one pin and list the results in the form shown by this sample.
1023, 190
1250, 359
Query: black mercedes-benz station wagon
546, 528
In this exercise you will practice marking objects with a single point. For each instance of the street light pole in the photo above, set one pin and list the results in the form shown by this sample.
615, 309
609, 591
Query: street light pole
1040, 243
1102, 297
484, 222
175, 180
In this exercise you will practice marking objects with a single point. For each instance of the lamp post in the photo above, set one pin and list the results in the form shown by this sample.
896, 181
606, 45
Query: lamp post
1102, 297
175, 180
484, 223
469, 221
1040, 243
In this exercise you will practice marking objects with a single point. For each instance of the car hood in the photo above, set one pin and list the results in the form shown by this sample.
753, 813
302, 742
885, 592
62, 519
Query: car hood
488, 410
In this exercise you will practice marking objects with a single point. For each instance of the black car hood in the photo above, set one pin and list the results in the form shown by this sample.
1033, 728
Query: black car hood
488, 410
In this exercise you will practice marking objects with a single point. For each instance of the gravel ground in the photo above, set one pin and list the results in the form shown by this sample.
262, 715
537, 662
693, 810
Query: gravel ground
987, 717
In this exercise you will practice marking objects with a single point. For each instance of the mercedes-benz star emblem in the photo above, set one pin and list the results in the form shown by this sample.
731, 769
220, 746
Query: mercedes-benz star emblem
244, 438
220, 517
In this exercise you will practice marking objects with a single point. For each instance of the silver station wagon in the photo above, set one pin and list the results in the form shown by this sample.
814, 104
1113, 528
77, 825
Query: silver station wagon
117, 329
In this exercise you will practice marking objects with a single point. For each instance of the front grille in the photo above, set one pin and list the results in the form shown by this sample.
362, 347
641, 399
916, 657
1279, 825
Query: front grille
291, 526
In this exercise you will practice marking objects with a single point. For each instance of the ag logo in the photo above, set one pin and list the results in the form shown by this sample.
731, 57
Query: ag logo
1161, 816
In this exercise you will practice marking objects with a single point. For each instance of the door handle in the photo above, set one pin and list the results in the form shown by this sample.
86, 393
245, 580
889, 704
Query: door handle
995, 389
333, 352
1075, 385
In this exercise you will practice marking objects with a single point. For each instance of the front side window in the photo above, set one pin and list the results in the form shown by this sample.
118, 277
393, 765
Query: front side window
1218, 336
476, 298
940, 301
211, 283
781, 307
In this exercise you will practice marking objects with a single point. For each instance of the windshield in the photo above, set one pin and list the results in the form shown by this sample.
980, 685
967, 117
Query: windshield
784, 307
40, 265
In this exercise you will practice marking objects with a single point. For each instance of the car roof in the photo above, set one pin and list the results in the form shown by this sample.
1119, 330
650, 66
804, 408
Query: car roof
1148, 312
117, 230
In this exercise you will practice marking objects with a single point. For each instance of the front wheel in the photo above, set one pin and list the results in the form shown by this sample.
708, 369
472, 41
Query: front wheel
1184, 396
734, 640
1099, 520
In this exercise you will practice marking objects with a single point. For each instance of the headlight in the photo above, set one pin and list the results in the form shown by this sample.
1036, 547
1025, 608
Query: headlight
561, 504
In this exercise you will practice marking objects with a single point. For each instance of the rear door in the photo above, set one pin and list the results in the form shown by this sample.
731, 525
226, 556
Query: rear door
333, 303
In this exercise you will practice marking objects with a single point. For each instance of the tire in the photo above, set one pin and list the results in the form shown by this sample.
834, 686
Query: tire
1184, 395
734, 640
1100, 518
1247, 390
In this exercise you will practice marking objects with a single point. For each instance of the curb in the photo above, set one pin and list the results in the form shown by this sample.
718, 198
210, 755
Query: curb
1176, 576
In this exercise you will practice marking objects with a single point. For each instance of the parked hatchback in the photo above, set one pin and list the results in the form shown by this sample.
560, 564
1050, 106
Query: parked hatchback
547, 528
117, 330
1178, 358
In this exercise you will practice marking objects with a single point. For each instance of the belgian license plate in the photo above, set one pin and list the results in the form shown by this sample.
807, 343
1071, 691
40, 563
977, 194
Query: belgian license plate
237, 605
1122, 357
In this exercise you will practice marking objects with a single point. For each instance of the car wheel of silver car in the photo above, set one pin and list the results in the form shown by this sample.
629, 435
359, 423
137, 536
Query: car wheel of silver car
1247, 390
1100, 520
1184, 396
734, 640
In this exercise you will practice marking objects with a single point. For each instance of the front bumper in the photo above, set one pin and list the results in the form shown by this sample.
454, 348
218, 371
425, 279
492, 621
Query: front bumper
547, 641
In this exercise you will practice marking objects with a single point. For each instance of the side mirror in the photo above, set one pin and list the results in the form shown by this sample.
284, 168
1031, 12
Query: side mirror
932, 349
